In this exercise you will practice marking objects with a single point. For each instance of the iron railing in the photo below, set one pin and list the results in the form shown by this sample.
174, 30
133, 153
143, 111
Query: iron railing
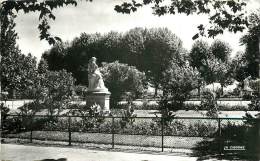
152, 133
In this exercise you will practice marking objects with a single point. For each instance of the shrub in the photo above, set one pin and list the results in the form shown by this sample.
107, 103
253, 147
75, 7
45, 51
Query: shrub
4, 116
255, 84
121, 78
54, 90
178, 81
89, 117
210, 103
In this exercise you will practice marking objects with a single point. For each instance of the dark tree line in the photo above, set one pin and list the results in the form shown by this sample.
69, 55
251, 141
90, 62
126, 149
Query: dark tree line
149, 50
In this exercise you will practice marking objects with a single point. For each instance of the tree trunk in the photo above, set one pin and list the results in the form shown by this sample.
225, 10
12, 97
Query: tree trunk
0, 80
199, 91
222, 90
258, 88
155, 90
258, 67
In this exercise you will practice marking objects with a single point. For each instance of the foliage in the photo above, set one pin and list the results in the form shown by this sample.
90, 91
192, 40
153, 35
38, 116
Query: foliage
221, 50
56, 60
255, 103
239, 66
4, 115
251, 41
212, 61
226, 107
255, 85
80, 90
18, 73
128, 116
74, 56
199, 52
89, 117
253, 133
149, 50
17, 70
178, 82
219, 72
194, 128
222, 14
210, 103
120, 78
53, 90
44, 8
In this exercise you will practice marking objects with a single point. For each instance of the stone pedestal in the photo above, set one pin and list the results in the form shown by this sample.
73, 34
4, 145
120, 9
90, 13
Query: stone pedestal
99, 97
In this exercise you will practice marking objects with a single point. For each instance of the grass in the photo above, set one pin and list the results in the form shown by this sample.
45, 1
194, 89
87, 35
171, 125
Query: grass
119, 139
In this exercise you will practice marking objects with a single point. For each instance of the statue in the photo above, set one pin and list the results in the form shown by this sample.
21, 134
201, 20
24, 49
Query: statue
95, 80
247, 89
246, 84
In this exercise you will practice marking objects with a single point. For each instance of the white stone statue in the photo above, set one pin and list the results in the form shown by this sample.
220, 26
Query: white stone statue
246, 84
95, 80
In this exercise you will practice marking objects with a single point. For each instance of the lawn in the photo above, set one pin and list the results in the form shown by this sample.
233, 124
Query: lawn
119, 139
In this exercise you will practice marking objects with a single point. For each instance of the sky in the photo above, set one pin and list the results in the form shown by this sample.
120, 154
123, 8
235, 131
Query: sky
99, 16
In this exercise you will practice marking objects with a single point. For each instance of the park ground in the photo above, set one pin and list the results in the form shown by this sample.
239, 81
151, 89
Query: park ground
14, 105
13, 152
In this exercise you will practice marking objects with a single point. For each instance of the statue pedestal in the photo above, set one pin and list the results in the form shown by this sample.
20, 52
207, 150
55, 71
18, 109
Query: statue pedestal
99, 97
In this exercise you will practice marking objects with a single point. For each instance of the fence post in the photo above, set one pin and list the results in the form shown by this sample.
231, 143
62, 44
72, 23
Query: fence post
69, 131
31, 129
162, 120
113, 132
219, 136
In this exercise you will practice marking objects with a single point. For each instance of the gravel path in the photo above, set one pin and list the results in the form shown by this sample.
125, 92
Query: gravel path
37, 153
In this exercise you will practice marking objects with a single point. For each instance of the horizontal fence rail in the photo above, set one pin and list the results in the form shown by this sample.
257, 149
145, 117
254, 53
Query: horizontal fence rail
151, 133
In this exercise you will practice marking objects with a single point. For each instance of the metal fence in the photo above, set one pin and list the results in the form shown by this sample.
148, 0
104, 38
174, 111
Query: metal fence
143, 133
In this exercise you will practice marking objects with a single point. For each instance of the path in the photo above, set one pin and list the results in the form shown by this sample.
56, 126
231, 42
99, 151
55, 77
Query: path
37, 153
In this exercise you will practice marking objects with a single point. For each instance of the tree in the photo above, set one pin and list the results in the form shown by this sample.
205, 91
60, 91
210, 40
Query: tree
220, 61
17, 70
53, 90
221, 50
199, 52
44, 8
211, 60
120, 78
134, 45
178, 81
218, 71
161, 47
252, 43
222, 14
56, 56
198, 55
151, 51
239, 66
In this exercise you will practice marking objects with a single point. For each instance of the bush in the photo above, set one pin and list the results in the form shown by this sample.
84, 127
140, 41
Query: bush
178, 81
4, 116
144, 106
121, 78
220, 107
210, 103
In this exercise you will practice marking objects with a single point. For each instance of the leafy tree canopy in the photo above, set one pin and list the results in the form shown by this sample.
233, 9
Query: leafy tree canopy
178, 81
17, 70
223, 15
44, 8
251, 41
149, 50
212, 61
